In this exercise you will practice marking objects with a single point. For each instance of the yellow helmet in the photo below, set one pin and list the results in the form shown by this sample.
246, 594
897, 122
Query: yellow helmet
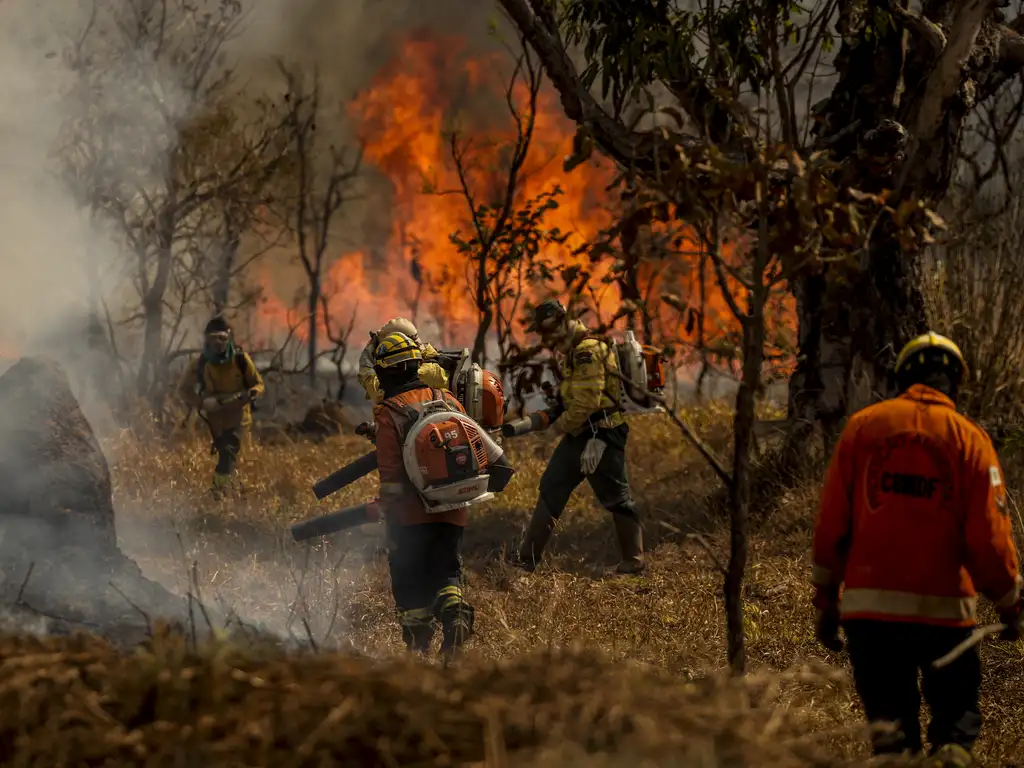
931, 350
394, 349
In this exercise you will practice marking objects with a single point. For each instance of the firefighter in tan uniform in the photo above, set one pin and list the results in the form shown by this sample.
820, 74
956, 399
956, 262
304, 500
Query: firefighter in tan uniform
913, 525
221, 384
593, 446
430, 373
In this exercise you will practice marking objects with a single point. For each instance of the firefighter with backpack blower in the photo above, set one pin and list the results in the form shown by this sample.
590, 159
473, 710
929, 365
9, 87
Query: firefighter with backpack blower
913, 525
433, 462
591, 417
221, 384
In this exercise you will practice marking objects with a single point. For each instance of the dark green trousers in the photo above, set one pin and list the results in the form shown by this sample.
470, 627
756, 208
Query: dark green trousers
610, 481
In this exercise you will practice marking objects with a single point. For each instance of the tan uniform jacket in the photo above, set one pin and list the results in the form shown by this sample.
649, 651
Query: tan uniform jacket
590, 384
222, 380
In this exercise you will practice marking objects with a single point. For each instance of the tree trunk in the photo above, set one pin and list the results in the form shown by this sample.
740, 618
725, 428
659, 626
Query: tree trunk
152, 340
150, 372
225, 270
739, 491
854, 319
314, 311
851, 327
483, 306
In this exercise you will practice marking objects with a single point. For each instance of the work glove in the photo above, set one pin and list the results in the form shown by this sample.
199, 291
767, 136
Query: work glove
1014, 621
210, 404
592, 453
252, 394
827, 629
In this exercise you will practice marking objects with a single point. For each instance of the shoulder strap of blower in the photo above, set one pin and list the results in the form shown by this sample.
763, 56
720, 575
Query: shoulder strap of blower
411, 413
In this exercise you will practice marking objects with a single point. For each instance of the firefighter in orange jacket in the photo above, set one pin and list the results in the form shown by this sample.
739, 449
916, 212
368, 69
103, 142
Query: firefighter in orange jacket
425, 550
913, 525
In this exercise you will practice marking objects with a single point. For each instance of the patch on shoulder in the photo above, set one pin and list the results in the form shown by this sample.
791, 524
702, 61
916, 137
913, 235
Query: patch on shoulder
995, 476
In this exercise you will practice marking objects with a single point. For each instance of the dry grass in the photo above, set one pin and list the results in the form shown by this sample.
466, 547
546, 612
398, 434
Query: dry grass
166, 705
669, 619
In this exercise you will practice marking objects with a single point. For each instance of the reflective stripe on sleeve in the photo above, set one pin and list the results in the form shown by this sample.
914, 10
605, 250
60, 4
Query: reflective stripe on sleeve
907, 605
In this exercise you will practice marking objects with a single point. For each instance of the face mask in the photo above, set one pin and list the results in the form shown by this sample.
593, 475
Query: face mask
217, 346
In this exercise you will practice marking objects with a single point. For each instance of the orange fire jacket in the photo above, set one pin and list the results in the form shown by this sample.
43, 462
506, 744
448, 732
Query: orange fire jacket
399, 501
913, 521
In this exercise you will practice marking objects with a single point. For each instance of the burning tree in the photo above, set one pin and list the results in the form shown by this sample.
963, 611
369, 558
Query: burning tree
316, 186
904, 84
506, 248
403, 119
158, 143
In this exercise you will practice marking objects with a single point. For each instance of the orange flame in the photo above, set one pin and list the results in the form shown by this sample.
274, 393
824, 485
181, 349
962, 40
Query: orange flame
403, 119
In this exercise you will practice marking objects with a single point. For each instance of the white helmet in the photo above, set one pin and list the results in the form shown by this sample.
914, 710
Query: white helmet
399, 325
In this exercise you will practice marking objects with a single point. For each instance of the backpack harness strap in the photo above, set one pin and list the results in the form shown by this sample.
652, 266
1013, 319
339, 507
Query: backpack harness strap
598, 416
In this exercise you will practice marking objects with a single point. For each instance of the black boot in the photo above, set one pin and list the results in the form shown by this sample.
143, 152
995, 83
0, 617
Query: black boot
631, 541
418, 631
456, 627
530, 551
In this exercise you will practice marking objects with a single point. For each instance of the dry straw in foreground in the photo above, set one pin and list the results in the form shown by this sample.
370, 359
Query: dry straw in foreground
75, 701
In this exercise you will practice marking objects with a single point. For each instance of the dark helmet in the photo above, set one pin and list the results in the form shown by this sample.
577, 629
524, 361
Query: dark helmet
217, 325
547, 316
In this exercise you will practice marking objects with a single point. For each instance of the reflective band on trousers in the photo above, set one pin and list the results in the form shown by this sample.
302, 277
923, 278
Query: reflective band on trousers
907, 604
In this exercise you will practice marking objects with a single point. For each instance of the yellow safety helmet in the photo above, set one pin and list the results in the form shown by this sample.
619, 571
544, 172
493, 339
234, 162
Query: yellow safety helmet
931, 351
394, 349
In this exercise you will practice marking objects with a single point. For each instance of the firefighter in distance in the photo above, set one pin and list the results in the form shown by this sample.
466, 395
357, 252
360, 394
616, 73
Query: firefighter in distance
425, 548
432, 374
221, 385
593, 446
913, 525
